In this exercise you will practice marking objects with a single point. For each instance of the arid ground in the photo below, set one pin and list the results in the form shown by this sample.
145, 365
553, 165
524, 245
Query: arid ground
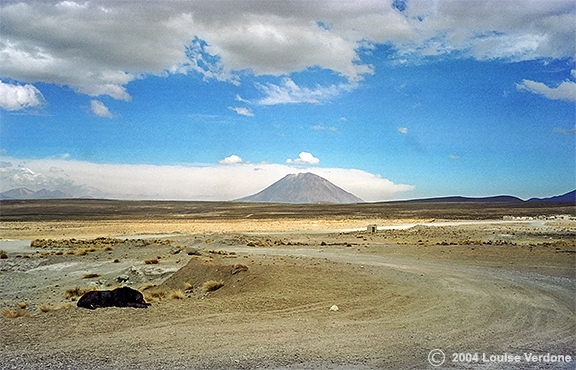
300, 286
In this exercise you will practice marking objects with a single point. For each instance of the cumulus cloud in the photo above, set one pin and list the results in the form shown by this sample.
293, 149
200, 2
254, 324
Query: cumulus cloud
242, 111
90, 46
289, 92
304, 158
99, 109
127, 181
491, 29
16, 97
233, 159
565, 91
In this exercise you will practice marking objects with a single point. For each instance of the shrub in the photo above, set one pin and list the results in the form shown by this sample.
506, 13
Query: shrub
154, 295
74, 293
147, 286
176, 294
3, 254
90, 275
151, 261
10, 314
212, 285
46, 308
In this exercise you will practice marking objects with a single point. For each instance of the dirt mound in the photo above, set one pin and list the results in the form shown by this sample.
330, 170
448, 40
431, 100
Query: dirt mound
200, 270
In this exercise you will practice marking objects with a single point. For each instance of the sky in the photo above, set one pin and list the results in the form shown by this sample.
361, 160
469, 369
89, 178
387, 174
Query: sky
217, 99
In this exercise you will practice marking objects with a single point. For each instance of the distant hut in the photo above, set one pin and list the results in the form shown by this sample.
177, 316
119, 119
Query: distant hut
372, 228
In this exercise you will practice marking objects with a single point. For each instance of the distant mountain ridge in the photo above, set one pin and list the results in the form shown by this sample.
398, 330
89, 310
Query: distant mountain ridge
310, 188
569, 197
25, 193
460, 199
302, 188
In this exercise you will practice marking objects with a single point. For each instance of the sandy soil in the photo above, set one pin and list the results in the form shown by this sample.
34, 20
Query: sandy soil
484, 288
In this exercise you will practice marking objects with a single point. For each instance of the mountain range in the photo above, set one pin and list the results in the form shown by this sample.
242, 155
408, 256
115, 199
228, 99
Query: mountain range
309, 188
568, 197
24, 193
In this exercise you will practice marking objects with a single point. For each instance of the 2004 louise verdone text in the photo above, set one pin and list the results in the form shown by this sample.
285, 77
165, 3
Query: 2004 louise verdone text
509, 357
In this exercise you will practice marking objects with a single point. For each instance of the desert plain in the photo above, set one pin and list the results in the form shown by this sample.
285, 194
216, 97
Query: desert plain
275, 286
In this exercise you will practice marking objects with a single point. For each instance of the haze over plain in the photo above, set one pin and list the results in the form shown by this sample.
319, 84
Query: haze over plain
215, 100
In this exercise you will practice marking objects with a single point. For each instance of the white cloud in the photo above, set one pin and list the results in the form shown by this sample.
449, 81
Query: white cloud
16, 97
233, 159
573, 73
560, 130
123, 181
403, 130
242, 111
89, 45
99, 109
565, 91
322, 128
489, 29
453, 156
289, 92
304, 158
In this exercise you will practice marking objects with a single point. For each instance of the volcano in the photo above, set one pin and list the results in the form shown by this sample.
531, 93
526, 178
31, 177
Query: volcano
302, 188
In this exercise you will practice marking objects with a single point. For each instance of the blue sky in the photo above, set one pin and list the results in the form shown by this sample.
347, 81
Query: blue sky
215, 100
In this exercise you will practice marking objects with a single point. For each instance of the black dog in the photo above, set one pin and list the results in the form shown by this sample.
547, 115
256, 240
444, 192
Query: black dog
119, 297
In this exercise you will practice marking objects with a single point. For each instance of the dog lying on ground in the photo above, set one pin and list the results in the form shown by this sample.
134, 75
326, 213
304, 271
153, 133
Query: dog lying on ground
119, 297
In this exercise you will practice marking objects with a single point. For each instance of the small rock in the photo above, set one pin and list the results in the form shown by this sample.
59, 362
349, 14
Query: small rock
191, 251
334, 308
122, 278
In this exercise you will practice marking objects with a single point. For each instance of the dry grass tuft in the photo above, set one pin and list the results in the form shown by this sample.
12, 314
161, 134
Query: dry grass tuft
146, 286
238, 268
176, 294
220, 252
154, 295
3, 254
47, 308
90, 275
81, 252
212, 285
77, 292
152, 261
188, 286
10, 314
22, 305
